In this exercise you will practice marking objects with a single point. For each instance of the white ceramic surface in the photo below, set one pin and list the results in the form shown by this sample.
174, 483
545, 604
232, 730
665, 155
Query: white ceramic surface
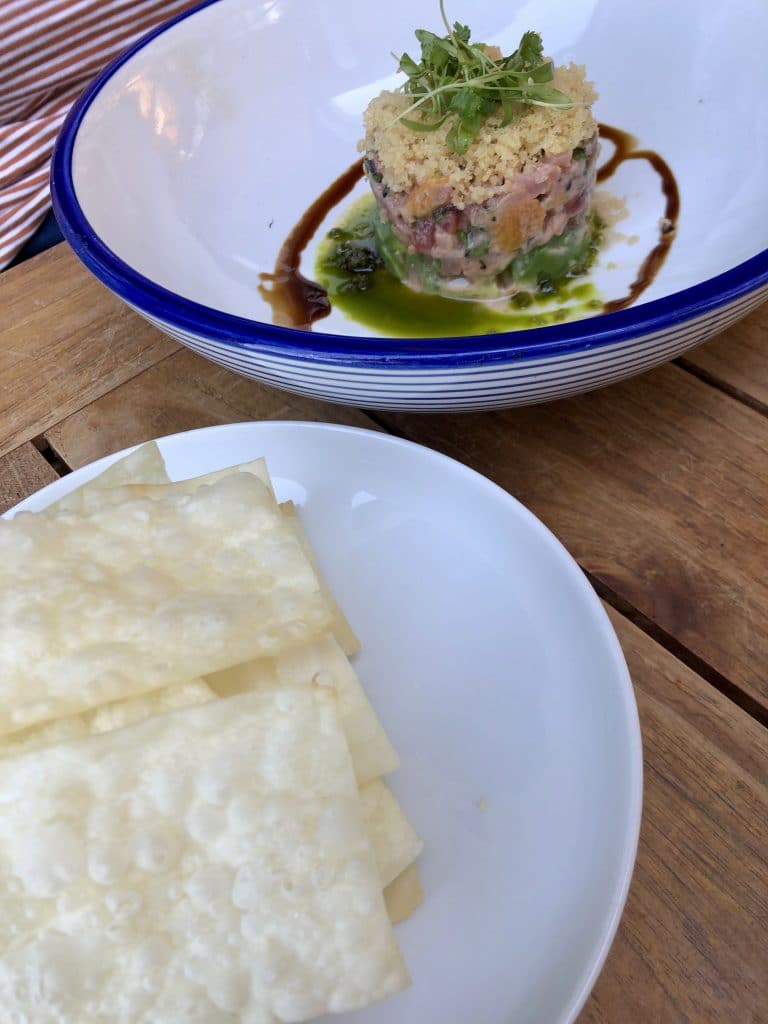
220, 134
499, 678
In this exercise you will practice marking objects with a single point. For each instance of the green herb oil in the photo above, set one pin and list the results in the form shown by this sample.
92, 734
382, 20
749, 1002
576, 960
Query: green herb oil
351, 271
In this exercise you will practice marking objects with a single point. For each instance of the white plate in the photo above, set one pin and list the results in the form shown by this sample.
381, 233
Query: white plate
501, 682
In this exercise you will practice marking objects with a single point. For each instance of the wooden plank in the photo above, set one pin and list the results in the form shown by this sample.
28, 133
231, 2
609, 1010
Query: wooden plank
64, 340
738, 358
691, 945
658, 486
22, 472
182, 392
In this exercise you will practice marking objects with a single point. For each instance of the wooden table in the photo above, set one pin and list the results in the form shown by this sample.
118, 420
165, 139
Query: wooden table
658, 487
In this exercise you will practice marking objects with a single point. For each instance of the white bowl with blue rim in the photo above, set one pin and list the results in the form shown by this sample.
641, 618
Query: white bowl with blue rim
184, 166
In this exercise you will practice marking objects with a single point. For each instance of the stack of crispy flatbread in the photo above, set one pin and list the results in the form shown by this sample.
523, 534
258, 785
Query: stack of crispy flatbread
194, 825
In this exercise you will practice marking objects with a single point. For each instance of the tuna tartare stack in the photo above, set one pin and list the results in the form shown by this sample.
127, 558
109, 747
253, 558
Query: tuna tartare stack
483, 168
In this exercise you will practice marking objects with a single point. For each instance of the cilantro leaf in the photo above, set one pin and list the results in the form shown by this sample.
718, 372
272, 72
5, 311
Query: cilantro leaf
530, 51
459, 80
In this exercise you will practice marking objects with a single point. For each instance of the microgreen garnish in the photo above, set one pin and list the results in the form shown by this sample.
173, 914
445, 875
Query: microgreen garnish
459, 80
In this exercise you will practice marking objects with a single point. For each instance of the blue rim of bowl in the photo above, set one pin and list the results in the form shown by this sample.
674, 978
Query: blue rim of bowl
654, 317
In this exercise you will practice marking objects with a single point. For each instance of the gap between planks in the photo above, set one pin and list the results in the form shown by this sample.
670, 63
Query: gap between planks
52, 457
721, 385
678, 650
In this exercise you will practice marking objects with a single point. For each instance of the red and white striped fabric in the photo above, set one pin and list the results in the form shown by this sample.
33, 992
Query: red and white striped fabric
49, 51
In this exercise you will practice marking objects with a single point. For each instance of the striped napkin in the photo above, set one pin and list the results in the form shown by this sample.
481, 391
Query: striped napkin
49, 51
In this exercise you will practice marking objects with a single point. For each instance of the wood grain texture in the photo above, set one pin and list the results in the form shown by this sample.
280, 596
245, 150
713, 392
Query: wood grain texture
182, 392
659, 487
691, 947
22, 472
738, 357
64, 340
